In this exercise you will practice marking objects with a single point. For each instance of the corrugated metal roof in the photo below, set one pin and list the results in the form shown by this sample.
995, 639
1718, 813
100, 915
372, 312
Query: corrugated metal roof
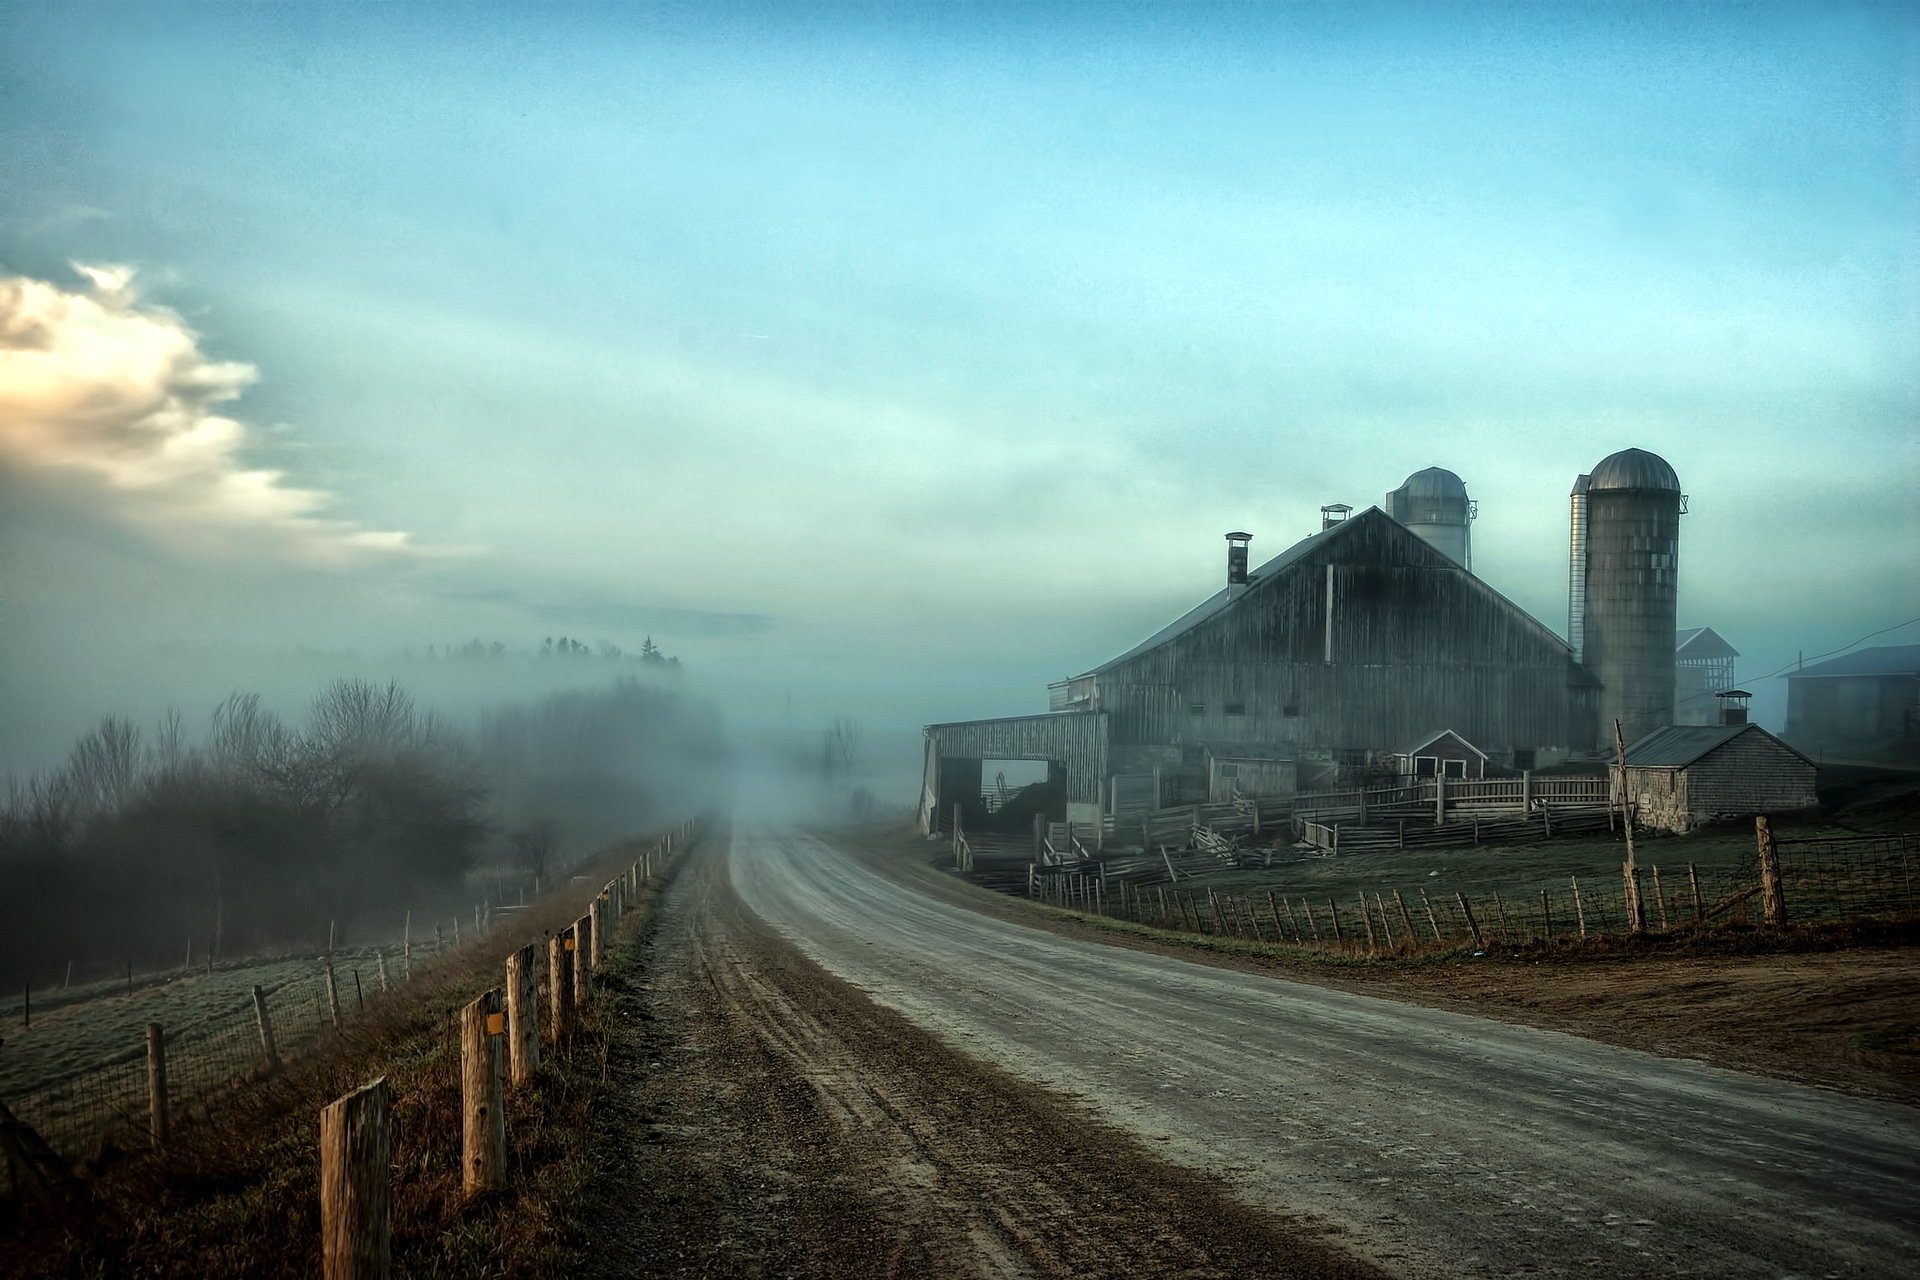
1887, 660
1679, 745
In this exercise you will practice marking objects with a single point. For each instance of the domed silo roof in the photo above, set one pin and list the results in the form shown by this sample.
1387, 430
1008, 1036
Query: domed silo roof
1434, 482
1634, 469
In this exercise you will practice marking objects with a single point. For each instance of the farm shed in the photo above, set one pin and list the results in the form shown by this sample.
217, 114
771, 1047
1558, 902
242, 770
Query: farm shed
1445, 754
1685, 775
1871, 696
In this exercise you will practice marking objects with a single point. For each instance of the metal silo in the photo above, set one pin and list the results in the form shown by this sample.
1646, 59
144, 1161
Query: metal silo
1624, 617
1434, 504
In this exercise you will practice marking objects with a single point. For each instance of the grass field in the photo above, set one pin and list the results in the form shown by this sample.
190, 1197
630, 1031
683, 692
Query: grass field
79, 1071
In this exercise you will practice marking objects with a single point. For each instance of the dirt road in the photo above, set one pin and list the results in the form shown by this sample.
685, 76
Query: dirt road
766, 1119
1444, 1144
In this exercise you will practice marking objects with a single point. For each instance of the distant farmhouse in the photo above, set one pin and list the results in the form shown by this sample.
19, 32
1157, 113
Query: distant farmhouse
1868, 698
1367, 649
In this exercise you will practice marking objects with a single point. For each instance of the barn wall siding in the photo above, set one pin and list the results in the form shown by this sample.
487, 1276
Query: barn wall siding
1418, 644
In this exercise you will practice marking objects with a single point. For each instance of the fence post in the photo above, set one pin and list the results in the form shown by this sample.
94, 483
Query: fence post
156, 1084
356, 1213
560, 984
1699, 904
1773, 898
333, 997
385, 984
1660, 897
1439, 798
265, 1022
597, 925
1473, 926
483, 1127
1406, 918
1433, 921
1579, 908
583, 960
523, 1015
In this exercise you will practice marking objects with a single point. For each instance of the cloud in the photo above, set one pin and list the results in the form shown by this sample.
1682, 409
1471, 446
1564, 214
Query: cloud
99, 386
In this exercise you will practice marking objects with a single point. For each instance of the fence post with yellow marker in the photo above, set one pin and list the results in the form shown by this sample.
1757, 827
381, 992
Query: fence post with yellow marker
483, 1070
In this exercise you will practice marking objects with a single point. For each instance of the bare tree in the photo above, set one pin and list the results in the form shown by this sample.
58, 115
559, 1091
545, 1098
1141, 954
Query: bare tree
105, 766
842, 746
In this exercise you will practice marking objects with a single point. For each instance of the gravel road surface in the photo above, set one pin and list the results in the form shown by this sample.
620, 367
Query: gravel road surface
1443, 1144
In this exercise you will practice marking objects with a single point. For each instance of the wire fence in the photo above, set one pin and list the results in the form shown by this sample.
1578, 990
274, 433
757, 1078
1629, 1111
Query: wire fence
1828, 881
106, 1101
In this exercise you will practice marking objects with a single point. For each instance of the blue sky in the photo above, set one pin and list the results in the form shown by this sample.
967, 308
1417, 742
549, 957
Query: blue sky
909, 357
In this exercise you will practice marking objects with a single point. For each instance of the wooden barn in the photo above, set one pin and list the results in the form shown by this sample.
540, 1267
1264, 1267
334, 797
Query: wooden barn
1684, 776
1333, 655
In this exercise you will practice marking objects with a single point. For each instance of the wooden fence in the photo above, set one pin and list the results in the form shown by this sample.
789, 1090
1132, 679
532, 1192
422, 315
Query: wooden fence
499, 1046
143, 1094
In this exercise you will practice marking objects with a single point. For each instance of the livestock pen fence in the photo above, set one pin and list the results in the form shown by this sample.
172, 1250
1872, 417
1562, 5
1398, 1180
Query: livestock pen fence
1823, 881
135, 1097
1418, 812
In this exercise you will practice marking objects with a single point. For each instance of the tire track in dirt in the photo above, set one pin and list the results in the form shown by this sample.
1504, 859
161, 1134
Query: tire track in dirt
768, 1119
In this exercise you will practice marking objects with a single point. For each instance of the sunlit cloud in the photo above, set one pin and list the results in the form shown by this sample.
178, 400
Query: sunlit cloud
99, 385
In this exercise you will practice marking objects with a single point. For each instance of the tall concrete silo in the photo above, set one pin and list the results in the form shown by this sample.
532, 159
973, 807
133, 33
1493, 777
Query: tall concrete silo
1625, 588
1434, 504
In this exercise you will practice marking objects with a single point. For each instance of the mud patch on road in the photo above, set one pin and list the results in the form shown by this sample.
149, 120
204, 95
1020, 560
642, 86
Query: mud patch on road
768, 1119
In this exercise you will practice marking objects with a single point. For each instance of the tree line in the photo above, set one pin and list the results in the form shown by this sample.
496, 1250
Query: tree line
265, 834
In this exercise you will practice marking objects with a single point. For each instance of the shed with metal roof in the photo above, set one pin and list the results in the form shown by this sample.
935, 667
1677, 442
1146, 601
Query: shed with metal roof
1684, 776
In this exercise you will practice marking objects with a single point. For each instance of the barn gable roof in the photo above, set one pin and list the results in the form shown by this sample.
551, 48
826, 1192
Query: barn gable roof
1702, 642
1436, 736
1297, 554
1679, 745
1885, 660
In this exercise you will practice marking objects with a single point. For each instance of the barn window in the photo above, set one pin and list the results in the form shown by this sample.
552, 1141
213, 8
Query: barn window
1353, 757
1229, 770
1196, 708
1291, 711
1425, 766
1236, 708
1456, 768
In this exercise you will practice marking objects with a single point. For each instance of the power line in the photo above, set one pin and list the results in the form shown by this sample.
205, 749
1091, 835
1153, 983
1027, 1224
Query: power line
1843, 648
